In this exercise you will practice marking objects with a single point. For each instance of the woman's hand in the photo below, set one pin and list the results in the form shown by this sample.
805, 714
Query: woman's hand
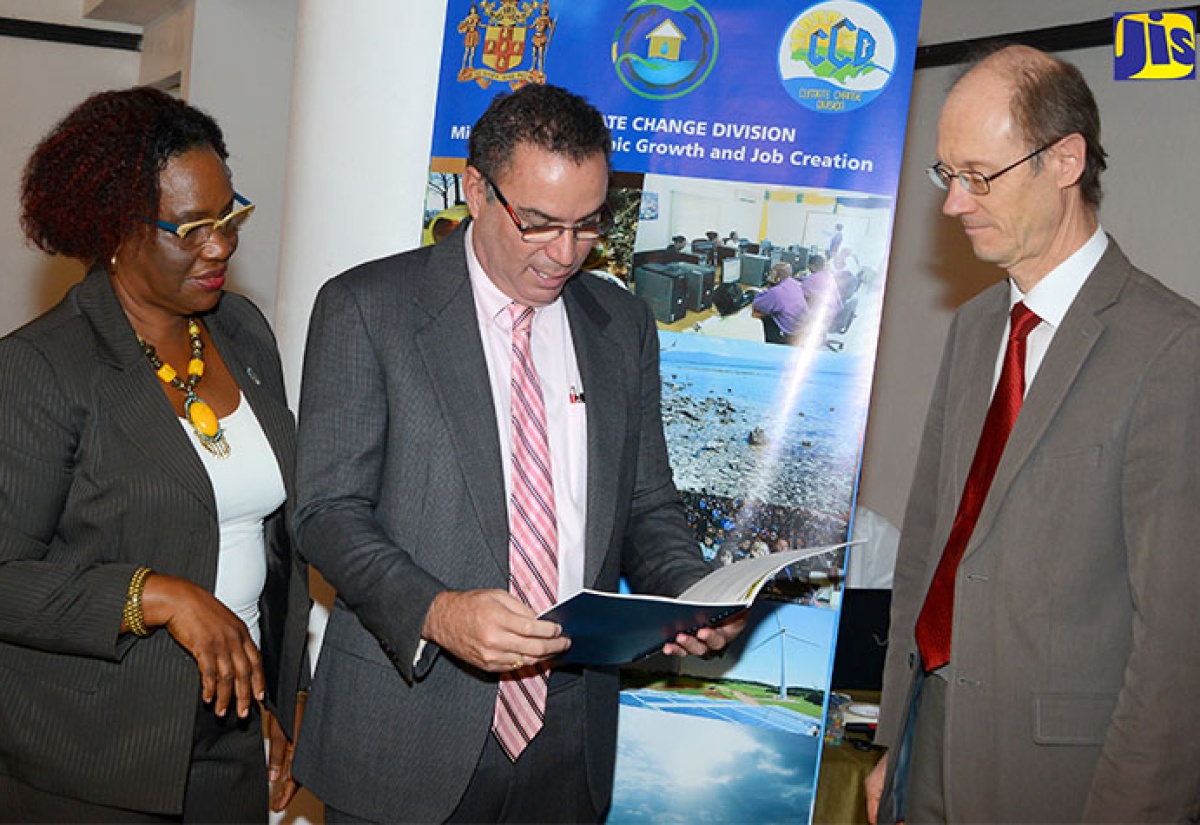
229, 662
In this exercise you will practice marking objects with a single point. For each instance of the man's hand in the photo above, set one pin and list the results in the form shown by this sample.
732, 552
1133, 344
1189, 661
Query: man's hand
229, 662
708, 640
492, 630
282, 785
874, 787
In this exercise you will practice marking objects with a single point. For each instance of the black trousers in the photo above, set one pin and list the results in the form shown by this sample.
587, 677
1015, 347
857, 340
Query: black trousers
227, 782
771, 331
548, 783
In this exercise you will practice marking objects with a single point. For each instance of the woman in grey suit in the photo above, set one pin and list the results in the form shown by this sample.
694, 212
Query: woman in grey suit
152, 611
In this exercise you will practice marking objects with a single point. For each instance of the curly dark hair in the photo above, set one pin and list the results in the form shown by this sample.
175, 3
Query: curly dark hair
97, 172
546, 116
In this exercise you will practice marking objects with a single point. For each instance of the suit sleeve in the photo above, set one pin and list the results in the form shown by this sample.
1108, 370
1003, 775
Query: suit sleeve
660, 554
1147, 769
340, 464
913, 557
47, 601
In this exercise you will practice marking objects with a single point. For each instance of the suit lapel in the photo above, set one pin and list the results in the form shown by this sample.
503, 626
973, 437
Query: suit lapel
250, 366
140, 409
1072, 344
452, 353
605, 392
978, 354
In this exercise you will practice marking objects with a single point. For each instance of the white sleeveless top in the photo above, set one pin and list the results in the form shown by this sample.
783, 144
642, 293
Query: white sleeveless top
248, 487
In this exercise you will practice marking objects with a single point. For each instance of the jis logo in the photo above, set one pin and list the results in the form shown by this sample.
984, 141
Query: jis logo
837, 56
1154, 45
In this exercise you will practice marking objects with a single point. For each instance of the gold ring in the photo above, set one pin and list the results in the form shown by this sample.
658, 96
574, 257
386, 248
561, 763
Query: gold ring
519, 662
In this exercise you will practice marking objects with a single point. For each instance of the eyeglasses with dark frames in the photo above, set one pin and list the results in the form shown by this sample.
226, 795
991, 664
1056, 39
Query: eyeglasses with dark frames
545, 233
195, 234
975, 183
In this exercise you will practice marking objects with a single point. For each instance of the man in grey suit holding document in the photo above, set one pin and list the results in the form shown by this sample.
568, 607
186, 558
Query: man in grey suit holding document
480, 437
1042, 662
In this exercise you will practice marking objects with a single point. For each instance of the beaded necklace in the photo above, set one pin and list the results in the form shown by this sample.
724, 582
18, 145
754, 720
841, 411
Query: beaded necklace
204, 421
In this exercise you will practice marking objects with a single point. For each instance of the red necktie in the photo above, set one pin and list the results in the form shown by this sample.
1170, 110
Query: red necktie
933, 629
533, 539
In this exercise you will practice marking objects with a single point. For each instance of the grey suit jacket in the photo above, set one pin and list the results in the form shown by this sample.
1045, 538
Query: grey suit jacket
96, 479
402, 496
1074, 678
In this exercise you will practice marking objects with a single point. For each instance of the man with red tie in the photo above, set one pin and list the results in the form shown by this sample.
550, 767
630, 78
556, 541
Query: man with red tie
1044, 640
480, 437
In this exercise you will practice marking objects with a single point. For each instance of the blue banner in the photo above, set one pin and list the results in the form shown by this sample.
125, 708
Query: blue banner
757, 91
756, 157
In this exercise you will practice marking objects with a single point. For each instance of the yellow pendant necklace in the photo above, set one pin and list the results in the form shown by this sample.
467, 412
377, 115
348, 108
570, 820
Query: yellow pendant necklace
204, 421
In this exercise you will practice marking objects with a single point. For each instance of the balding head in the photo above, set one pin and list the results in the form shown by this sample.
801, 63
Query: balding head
1046, 99
1021, 130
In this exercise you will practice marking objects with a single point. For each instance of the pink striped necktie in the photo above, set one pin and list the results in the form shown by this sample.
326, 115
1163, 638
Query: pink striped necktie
533, 539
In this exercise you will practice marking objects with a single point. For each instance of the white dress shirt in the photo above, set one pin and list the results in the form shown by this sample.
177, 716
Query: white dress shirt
1050, 299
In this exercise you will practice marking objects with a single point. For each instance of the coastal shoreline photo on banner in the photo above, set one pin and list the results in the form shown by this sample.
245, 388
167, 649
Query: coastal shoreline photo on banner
755, 149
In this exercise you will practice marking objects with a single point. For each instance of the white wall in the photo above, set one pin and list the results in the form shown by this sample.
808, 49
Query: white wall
693, 206
358, 160
241, 72
62, 12
230, 58
41, 82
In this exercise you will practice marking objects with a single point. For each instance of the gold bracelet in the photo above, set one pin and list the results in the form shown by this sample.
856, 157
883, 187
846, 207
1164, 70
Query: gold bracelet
135, 621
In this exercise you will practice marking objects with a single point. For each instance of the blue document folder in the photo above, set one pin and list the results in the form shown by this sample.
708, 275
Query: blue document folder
617, 628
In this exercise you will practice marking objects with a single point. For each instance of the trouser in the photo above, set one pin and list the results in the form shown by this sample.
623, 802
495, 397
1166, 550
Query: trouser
926, 801
548, 783
227, 782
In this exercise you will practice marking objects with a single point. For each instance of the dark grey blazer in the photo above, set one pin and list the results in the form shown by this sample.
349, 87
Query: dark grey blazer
1076, 650
96, 479
402, 496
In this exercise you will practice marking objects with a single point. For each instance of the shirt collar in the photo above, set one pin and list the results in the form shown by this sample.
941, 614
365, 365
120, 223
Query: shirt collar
1052, 296
490, 303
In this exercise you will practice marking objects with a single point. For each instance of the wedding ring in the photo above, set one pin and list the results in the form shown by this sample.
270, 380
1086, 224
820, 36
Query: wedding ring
519, 662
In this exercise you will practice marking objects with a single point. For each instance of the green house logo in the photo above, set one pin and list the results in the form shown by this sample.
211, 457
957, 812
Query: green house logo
664, 49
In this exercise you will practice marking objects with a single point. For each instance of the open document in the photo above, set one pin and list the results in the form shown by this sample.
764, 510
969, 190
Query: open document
616, 628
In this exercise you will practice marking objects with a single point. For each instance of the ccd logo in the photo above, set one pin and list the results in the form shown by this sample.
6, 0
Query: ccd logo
836, 56
1155, 45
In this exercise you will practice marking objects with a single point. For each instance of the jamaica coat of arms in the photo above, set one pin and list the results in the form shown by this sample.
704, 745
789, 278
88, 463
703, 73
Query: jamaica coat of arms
514, 35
